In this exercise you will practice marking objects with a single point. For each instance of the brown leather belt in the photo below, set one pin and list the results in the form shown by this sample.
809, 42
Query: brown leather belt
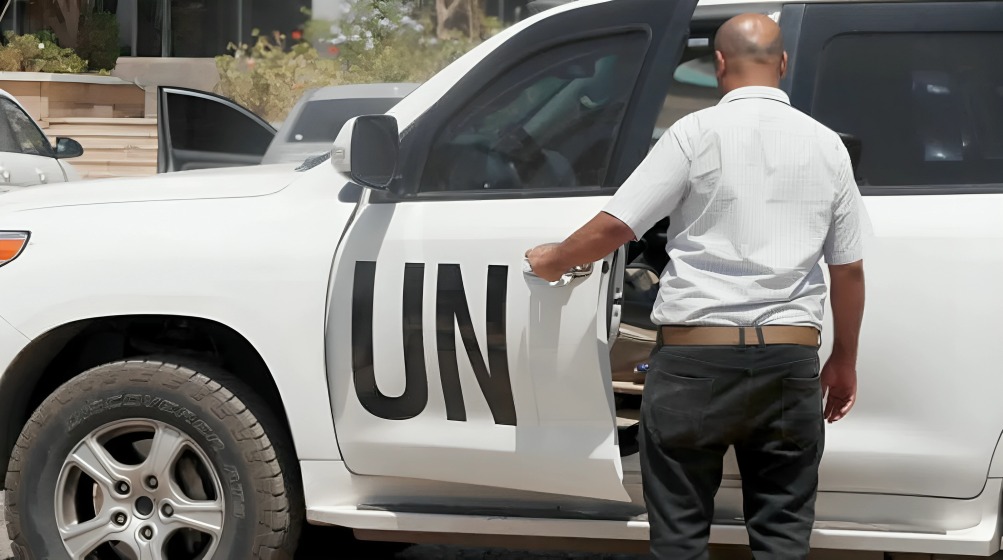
739, 336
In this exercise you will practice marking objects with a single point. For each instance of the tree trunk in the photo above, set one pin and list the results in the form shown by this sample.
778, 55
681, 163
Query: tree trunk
475, 18
444, 10
67, 29
470, 19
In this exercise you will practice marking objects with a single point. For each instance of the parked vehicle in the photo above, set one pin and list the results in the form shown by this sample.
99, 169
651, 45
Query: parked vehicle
197, 362
200, 135
26, 156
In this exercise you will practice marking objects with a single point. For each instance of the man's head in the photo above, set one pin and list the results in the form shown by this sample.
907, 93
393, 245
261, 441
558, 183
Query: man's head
749, 51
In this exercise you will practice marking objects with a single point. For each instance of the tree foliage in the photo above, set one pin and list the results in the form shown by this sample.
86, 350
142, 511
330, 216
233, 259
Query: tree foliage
97, 41
38, 53
374, 41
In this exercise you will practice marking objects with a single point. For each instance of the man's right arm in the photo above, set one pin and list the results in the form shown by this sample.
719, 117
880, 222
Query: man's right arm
843, 252
839, 376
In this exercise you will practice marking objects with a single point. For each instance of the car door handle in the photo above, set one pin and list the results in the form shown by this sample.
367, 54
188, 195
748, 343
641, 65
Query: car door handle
41, 176
580, 271
5, 174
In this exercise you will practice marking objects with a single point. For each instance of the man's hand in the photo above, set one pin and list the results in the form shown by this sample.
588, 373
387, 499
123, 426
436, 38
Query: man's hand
839, 384
542, 264
593, 241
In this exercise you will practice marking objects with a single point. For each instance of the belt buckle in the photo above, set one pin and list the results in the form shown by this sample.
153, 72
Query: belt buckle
760, 337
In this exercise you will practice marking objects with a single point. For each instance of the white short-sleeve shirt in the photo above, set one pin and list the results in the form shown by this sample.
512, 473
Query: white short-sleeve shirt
757, 193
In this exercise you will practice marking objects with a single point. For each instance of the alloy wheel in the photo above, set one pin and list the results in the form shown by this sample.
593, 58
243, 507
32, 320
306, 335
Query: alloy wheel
140, 490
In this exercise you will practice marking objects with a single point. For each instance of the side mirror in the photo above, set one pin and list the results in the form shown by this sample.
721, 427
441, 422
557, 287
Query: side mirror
368, 149
854, 146
67, 148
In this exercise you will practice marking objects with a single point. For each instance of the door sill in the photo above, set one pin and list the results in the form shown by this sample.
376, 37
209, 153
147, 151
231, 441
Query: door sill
631, 535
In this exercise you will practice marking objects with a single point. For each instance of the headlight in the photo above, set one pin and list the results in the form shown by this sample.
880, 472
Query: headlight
11, 245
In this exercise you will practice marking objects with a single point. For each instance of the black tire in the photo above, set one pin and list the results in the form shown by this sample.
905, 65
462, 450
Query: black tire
256, 474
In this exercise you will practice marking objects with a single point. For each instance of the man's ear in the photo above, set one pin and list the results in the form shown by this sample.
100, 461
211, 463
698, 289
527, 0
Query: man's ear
719, 64
783, 65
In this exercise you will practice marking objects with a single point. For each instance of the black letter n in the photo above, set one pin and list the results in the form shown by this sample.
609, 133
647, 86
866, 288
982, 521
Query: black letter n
451, 309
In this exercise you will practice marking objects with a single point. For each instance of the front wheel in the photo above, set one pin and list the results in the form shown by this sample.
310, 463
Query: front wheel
152, 461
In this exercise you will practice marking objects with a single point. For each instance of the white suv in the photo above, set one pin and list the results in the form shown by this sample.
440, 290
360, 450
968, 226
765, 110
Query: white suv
194, 364
26, 156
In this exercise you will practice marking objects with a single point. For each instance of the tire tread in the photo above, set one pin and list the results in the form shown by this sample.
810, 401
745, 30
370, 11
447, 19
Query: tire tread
277, 475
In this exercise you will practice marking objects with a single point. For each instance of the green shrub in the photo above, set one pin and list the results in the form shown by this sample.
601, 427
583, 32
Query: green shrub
38, 53
372, 41
268, 79
97, 40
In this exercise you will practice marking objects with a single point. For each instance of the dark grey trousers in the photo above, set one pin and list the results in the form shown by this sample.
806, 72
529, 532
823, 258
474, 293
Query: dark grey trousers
766, 401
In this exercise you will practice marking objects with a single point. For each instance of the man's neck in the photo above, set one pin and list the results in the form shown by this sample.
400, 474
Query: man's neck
732, 85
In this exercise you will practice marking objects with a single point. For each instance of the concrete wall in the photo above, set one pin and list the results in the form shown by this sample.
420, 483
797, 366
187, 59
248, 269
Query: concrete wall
47, 96
148, 73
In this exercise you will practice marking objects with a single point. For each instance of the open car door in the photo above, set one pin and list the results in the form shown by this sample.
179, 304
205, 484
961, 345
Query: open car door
448, 360
200, 130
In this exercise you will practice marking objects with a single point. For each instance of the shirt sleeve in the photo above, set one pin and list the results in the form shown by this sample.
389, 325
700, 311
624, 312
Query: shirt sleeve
657, 186
844, 244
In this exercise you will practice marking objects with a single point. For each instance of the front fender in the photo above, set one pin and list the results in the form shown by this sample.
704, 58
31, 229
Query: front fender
259, 265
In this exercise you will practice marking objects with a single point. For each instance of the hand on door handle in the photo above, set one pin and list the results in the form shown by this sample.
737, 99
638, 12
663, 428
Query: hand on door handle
580, 271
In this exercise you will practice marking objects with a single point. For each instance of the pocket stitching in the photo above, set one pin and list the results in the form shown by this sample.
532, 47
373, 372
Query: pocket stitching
790, 427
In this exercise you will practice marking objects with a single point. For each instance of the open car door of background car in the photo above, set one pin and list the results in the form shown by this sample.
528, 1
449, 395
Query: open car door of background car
200, 130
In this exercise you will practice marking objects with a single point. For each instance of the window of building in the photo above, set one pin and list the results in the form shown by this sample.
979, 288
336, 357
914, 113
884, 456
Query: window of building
23, 134
927, 107
552, 121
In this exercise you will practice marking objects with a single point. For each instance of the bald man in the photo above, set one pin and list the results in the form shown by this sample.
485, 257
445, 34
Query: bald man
757, 194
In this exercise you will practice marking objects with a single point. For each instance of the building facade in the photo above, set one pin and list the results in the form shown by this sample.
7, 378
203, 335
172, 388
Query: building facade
162, 28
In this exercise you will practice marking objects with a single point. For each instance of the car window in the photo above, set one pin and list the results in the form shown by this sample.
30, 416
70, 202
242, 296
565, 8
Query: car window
694, 87
24, 136
551, 121
208, 125
322, 120
927, 107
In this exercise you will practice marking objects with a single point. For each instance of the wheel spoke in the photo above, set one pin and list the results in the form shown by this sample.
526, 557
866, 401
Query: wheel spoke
97, 463
150, 550
204, 517
145, 549
167, 445
83, 538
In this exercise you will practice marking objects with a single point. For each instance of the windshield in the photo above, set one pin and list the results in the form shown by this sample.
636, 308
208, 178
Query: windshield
321, 121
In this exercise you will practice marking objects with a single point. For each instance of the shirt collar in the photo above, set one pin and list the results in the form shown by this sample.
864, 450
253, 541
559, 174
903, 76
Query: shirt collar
755, 92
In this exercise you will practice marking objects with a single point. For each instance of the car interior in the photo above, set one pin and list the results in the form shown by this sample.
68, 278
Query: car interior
552, 122
694, 87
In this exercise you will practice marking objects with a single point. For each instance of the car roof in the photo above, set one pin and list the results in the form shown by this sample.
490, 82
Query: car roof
361, 90
718, 9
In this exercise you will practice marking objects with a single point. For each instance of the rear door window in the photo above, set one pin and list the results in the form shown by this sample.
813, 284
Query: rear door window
927, 107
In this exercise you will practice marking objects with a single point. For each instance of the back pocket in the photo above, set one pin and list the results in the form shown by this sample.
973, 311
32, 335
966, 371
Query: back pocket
801, 422
673, 407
